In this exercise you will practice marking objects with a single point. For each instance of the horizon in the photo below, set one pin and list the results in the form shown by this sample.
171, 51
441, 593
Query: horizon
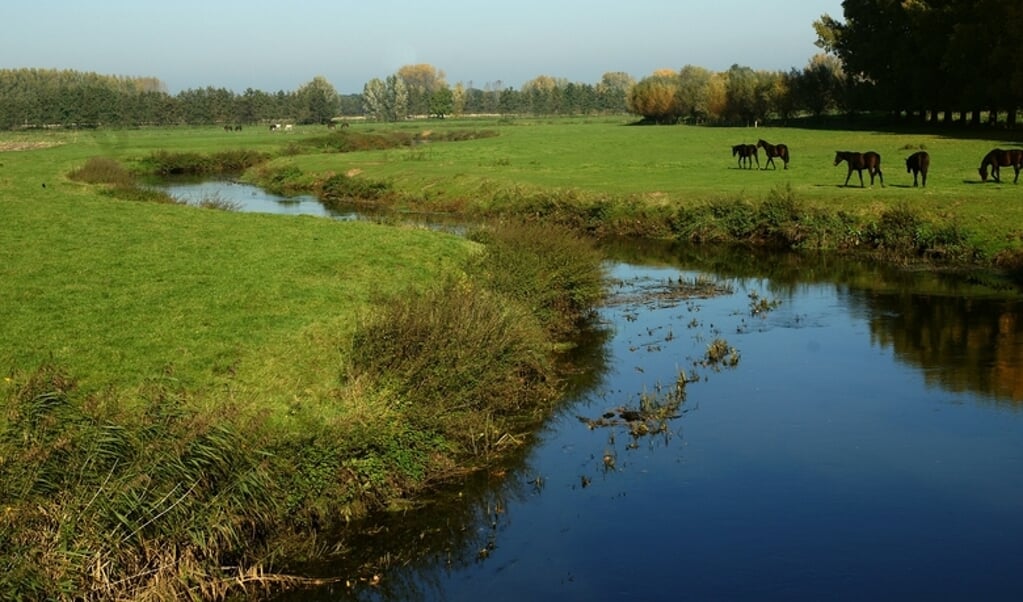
267, 47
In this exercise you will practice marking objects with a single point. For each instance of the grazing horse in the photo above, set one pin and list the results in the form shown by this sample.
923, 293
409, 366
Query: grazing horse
747, 154
774, 150
869, 161
918, 163
999, 158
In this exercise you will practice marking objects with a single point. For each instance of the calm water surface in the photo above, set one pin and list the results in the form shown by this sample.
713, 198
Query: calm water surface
868, 445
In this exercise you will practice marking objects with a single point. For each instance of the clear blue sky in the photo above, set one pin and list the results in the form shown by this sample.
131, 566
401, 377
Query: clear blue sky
281, 45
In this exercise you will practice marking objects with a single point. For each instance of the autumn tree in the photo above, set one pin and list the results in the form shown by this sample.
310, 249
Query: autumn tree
421, 82
656, 98
613, 90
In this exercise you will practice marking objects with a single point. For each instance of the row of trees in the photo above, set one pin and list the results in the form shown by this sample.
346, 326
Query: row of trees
39, 98
49, 97
739, 95
932, 58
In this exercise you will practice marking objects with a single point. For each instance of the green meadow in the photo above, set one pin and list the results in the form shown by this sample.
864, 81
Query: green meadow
637, 173
214, 386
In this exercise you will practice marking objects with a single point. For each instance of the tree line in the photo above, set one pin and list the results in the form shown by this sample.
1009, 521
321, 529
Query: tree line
934, 60
928, 59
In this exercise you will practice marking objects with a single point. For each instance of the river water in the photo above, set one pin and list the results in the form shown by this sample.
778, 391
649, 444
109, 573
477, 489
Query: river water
863, 442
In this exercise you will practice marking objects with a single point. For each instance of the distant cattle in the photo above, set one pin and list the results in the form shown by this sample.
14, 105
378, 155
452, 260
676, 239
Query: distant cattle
918, 163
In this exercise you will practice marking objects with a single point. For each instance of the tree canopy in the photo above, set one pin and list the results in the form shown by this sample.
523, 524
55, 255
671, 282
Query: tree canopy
929, 56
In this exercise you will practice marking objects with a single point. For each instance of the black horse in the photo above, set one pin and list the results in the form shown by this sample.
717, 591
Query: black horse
918, 163
774, 150
869, 161
747, 154
998, 158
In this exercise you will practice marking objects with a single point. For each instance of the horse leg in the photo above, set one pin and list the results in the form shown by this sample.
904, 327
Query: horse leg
859, 172
1016, 179
880, 177
847, 176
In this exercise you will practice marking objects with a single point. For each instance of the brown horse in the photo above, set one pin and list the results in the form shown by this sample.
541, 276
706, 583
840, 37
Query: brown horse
747, 154
774, 150
869, 161
1001, 158
918, 163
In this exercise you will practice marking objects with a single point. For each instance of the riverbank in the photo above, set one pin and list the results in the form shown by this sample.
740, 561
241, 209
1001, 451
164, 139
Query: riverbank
190, 396
610, 179
187, 390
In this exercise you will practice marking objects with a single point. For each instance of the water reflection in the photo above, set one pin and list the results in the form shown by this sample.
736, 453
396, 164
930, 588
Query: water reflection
852, 453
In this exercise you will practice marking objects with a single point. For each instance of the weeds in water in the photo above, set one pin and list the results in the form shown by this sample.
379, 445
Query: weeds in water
720, 353
761, 305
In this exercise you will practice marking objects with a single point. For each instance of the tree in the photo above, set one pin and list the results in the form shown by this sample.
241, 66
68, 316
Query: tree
386, 100
421, 81
613, 90
741, 88
316, 101
442, 102
819, 86
656, 98
694, 92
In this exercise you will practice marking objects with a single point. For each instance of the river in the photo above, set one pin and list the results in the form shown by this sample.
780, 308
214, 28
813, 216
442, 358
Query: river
861, 440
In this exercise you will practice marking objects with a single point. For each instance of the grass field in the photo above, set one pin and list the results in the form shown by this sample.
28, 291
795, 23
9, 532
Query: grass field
214, 350
680, 166
73, 259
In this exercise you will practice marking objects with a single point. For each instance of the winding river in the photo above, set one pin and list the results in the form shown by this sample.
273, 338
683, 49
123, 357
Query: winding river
860, 438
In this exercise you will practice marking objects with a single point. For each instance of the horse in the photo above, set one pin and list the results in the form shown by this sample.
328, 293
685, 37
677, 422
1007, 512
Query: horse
918, 163
774, 150
274, 127
747, 154
998, 158
869, 161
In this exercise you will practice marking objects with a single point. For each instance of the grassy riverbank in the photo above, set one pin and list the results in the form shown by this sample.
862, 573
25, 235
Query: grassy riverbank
191, 395
186, 389
608, 177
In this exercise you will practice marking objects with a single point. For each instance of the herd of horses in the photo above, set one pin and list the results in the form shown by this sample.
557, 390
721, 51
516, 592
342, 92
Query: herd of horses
918, 163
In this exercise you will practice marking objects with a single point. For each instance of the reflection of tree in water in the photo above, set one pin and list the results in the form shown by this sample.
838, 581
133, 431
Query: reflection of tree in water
961, 343
395, 556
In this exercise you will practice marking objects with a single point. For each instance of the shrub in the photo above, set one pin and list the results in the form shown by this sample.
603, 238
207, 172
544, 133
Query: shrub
455, 351
554, 271
341, 188
103, 170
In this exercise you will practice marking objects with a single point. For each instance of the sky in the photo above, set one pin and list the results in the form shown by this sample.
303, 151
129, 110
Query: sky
282, 45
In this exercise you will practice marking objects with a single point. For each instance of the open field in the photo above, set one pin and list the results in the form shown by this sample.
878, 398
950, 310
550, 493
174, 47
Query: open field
70, 250
680, 166
184, 381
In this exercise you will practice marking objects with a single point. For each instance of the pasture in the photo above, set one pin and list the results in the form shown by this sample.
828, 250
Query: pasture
178, 342
654, 166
